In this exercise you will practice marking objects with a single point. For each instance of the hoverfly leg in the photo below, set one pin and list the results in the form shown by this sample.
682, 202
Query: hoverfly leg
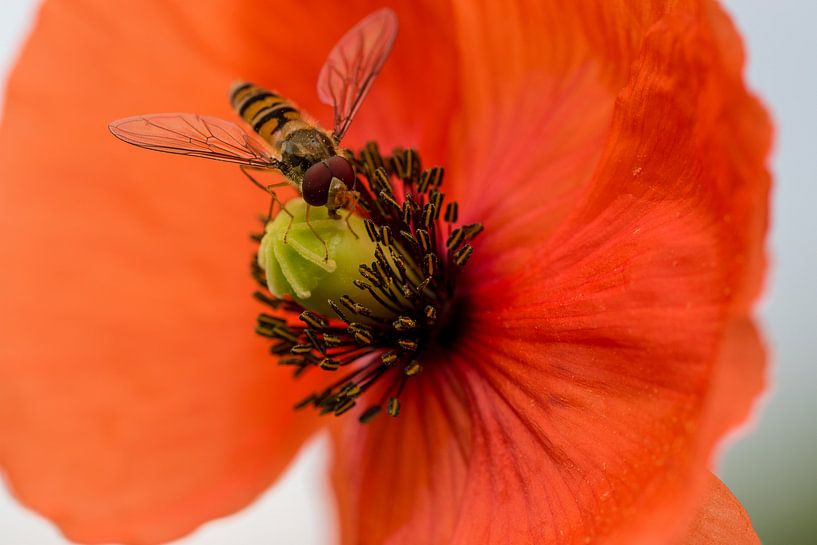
269, 189
289, 226
245, 170
325, 246
274, 199
353, 200
269, 210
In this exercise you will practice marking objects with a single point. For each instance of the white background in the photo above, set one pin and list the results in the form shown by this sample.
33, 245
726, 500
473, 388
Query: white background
772, 470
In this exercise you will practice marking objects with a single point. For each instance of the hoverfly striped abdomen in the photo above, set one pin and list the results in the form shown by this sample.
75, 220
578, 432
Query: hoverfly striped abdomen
270, 115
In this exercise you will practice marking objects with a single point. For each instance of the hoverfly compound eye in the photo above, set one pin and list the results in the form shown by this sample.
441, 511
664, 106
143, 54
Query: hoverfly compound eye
342, 170
317, 180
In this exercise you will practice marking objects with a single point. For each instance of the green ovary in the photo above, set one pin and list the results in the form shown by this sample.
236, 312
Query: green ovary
299, 267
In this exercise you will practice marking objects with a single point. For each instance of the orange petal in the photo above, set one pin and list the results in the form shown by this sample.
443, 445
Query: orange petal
401, 481
539, 84
524, 440
135, 400
720, 519
598, 367
535, 127
672, 151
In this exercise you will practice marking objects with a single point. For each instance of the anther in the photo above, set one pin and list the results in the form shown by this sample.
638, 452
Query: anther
301, 349
397, 161
406, 213
393, 407
383, 268
363, 337
363, 310
388, 358
408, 237
332, 340
349, 390
436, 177
344, 406
348, 302
430, 313
429, 211
371, 230
404, 323
275, 332
313, 320
336, 309
385, 235
272, 321
361, 333
284, 333
424, 180
411, 164
291, 361
264, 331
398, 261
406, 291
381, 182
314, 340
473, 230
267, 300
461, 256
430, 179
389, 199
430, 265
413, 206
408, 344
456, 237
451, 212
329, 364
436, 198
280, 348
371, 158
381, 258
413, 368
359, 284
369, 275
384, 274
424, 239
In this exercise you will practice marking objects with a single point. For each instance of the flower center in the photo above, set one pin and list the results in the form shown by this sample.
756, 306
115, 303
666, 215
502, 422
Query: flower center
404, 303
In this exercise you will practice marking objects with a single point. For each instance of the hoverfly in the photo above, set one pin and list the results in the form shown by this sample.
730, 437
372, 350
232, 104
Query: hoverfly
309, 157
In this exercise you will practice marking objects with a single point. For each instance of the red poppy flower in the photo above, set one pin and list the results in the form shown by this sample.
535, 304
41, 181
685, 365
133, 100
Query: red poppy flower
616, 161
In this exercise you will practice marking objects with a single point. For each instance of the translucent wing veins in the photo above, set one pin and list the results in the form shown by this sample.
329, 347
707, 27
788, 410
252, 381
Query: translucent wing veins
353, 64
195, 135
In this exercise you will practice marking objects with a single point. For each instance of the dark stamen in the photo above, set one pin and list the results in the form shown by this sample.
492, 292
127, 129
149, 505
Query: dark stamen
419, 252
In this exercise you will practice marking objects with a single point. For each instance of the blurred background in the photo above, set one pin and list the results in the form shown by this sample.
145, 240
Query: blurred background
771, 465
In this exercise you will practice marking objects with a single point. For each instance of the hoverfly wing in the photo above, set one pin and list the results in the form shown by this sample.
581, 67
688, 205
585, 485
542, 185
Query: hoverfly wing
353, 64
194, 135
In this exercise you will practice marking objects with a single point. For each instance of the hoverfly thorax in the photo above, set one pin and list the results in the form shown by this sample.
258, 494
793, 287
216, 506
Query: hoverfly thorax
302, 149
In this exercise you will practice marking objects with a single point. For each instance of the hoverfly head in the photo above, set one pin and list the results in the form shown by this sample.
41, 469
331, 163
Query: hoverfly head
326, 182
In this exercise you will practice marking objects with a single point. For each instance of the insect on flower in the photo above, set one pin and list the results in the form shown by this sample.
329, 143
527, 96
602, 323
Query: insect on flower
563, 379
283, 140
